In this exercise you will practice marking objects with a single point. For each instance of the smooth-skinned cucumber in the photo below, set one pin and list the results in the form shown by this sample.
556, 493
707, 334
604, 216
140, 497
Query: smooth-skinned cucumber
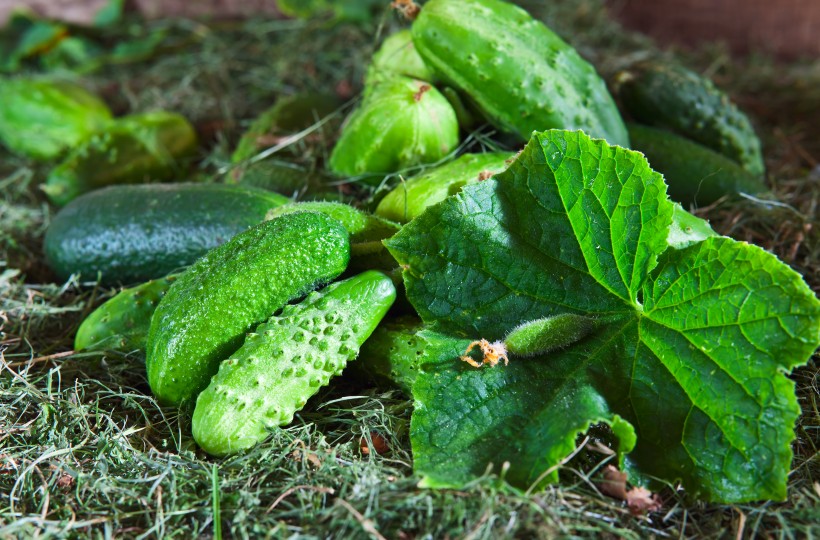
400, 123
286, 360
130, 234
410, 198
695, 174
42, 118
518, 72
669, 96
122, 322
205, 314
135, 149
397, 56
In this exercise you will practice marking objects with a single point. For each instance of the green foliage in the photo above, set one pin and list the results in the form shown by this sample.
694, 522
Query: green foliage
42, 118
688, 371
207, 312
286, 360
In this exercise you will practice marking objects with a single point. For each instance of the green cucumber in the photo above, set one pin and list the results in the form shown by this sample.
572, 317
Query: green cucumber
130, 234
288, 115
133, 150
542, 336
411, 198
392, 354
397, 56
207, 311
400, 123
518, 72
286, 360
367, 252
669, 96
42, 118
694, 174
122, 322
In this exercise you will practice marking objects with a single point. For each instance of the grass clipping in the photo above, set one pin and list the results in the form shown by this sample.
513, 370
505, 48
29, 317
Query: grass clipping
85, 449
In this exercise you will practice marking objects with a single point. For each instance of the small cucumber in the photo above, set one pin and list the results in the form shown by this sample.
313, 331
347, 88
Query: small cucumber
400, 123
207, 311
694, 174
518, 72
392, 354
122, 322
411, 198
542, 336
367, 252
669, 96
133, 150
286, 360
130, 234
397, 56
287, 116
42, 118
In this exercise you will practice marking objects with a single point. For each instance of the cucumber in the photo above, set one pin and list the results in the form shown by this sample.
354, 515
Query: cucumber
286, 360
205, 314
695, 175
130, 234
397, 56
287, 116
518, 72
367, 252
400, 123
392, 354
411, 198
42, 118
669, 96
282, 177
122, 322
136, 149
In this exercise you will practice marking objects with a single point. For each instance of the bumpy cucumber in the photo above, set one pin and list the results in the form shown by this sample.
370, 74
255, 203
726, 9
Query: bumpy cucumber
670, 96
122, 322
367, 252
136, 149
400, 123
411, 198
694, 174
130, 234
207, 311
519, 73
397, 56
286, 360
289, 115
42, 118
392, 354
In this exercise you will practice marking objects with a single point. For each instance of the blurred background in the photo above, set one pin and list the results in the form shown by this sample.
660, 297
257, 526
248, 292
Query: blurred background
787, 28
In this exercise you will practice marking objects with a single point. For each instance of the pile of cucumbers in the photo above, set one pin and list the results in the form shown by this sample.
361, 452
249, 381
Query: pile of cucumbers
244, 302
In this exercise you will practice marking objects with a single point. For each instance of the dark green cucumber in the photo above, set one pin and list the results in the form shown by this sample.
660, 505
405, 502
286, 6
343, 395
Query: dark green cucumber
519, 73
122, 322
694, 174
409, 199
130, 234
287, 116
133, 150
287, 360
42, 118
669, 96
205, 314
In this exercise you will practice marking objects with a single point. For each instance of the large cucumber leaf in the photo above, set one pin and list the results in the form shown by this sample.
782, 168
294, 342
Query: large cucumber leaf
688, 367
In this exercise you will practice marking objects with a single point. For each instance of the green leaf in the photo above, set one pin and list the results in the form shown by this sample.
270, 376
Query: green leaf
687, 364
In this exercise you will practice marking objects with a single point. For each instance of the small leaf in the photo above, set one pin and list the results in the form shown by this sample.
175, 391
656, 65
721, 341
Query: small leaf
686, 364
